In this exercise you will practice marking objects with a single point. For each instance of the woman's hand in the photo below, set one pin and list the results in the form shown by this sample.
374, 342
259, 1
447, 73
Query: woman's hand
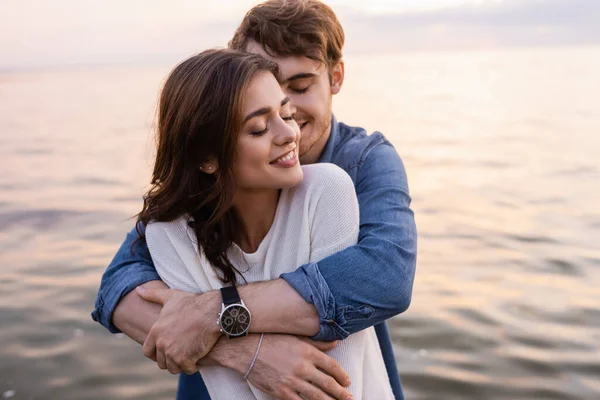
185, 331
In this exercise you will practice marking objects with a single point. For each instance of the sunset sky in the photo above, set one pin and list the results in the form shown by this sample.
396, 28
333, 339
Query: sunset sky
46, 33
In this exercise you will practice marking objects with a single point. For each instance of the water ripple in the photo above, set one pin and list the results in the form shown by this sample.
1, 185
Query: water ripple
37, 219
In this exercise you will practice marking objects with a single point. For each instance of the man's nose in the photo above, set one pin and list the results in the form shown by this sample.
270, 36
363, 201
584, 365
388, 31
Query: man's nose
293, 107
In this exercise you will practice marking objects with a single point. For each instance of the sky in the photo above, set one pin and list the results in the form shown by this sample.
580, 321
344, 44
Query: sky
63, 32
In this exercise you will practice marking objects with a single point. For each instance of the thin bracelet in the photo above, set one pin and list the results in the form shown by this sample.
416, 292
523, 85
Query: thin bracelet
255, 356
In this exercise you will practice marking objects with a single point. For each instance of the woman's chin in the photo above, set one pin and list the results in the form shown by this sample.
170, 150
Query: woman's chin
294, 178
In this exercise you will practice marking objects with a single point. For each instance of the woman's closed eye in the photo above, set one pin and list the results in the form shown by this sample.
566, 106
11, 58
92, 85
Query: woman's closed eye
261, 132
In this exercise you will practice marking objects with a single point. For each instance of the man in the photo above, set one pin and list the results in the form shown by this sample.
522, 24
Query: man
354, 289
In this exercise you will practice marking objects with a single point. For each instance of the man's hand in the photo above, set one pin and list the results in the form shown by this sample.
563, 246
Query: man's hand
285, 367
185, 331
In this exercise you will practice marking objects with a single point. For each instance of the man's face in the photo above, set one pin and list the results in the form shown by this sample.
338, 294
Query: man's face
306, 82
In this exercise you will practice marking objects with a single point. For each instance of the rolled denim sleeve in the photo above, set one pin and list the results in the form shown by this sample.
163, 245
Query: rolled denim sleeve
372, 281
132, 266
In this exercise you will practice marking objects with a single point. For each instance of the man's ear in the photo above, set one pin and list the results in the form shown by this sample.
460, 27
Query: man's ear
337, 77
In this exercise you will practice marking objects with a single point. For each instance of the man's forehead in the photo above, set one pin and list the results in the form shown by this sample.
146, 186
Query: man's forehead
256, 48
289, 65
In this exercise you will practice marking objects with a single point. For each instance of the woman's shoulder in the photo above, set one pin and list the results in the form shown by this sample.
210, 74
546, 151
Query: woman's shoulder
178, 225
324, 173
323, 179
329, 201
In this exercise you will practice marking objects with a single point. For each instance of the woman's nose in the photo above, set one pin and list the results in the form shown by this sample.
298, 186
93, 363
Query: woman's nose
286, 134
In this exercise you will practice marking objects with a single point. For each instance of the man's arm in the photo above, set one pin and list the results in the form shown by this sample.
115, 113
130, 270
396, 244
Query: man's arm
131, 267
120, 309
379, 271
135, 316
284, 365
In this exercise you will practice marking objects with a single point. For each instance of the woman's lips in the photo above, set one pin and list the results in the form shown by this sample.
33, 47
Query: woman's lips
289, 159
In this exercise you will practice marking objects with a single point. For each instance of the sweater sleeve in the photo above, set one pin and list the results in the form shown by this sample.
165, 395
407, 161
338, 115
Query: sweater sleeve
170, 255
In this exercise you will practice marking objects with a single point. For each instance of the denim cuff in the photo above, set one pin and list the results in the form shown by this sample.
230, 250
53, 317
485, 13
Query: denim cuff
113, 291
310, 284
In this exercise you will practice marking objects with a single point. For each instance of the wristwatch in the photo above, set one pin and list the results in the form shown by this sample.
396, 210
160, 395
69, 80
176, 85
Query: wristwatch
234, 318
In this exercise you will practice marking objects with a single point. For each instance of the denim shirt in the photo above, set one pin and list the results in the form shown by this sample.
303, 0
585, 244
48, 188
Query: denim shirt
352, 290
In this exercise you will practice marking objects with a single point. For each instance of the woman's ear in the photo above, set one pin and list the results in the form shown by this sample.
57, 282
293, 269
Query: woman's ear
209, 167
337, 77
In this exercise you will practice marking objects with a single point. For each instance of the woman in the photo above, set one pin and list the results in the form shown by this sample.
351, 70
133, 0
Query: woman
229, 203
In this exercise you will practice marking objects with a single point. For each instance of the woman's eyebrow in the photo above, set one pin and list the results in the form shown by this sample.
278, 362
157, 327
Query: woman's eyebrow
259, 112
264, 110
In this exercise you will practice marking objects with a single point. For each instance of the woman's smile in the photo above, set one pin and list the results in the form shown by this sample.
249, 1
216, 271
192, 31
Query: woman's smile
288, 160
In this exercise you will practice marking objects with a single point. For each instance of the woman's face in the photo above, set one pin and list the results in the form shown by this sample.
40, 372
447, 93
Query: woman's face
267, 148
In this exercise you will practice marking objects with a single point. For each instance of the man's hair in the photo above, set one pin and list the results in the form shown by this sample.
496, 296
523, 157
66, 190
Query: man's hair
283, 28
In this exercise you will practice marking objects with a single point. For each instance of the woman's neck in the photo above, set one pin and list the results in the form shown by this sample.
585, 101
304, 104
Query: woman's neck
256, 212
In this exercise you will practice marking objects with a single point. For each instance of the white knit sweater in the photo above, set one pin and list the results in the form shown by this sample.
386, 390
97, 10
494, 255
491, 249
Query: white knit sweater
315, 219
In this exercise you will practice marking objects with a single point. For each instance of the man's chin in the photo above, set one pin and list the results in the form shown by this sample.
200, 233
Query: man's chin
303, 150
302, 158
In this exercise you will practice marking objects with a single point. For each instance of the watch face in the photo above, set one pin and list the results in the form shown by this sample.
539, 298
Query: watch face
235, 320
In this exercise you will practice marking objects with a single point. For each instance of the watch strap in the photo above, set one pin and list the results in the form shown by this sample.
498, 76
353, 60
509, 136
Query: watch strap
230, 295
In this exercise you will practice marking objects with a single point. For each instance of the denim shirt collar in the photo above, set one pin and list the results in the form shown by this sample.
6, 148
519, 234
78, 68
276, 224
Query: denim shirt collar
327, 155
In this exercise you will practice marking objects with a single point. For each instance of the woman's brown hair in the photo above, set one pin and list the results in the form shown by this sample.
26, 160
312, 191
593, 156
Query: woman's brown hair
283, 28
199, 118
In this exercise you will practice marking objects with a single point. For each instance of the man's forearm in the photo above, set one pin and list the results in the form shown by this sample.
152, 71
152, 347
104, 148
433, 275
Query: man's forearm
135, 316
277, 308
233, 354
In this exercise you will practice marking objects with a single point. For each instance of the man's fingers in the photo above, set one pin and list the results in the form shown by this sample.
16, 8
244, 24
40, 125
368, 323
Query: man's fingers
332, 368
161, 360
172, 367
288, 394
190, 368
311, 392
149, 347
323, 346
153, 295
329, 385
